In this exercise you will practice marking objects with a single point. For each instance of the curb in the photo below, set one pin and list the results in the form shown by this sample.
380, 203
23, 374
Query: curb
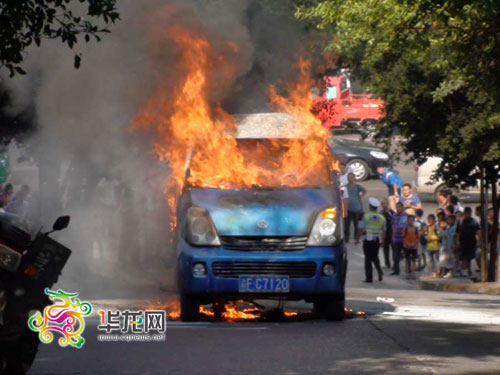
453, 285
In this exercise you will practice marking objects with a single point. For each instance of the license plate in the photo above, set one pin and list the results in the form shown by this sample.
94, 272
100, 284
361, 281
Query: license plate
264, 284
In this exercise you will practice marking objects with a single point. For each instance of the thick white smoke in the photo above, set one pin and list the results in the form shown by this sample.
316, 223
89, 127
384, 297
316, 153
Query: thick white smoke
91, 165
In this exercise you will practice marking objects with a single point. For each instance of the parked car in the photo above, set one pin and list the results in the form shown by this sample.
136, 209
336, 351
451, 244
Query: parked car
262, 242
428, 188
361, 157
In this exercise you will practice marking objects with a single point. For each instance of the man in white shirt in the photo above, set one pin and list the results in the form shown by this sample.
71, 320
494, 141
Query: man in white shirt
344, 172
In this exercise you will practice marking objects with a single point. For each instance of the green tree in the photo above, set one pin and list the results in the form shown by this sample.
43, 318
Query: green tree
24, 22
435, 63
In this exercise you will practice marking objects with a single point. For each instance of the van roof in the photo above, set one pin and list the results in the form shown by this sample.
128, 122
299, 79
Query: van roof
268, 125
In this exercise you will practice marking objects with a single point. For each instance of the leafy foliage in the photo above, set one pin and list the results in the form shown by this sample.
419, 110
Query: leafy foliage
435, 63
25, 22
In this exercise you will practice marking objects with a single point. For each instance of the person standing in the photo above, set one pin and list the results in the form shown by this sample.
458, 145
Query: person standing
411, 202
431, 234
393, 182
443, 197
443, 249
344, 174
422, 240
387, 212
355, 192
374, 226
467, 234
451, 245
344, 180
455, 202
398, 223
410, 245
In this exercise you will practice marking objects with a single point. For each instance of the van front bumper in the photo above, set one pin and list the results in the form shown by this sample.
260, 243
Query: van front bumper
214, 285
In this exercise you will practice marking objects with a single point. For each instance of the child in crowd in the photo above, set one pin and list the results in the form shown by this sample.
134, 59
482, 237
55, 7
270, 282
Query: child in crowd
449, 210
431, 234
450, 245
443, 254
440, 216
410, 245
422, 240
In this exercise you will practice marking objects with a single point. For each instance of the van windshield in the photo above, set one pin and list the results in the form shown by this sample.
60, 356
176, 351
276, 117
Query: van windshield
265, 163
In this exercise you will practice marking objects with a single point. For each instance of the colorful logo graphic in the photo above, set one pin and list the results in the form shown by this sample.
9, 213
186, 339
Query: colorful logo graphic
65, 316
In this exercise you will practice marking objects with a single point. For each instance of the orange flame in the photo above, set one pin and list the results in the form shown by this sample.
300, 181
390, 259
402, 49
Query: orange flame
232, 313
186, 120
172, 307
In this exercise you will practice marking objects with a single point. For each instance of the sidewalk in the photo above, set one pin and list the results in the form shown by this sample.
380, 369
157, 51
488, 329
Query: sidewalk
458, 285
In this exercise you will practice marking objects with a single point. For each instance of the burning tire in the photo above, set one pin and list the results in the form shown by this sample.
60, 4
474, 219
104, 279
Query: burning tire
218, 309
333, 308
190, 309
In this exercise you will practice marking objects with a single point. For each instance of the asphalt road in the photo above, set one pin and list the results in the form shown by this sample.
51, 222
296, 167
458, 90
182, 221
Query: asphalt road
412, 332
404, 331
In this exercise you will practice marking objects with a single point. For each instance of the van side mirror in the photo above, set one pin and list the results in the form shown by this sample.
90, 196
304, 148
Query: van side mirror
61, 223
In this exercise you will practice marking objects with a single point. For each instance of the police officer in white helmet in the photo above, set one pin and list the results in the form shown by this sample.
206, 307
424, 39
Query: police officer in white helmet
373, 226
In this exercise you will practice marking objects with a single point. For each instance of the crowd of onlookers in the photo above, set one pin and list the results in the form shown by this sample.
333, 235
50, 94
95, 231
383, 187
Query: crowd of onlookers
445, 242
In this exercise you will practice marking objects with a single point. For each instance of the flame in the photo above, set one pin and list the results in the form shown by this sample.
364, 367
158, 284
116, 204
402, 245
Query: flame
351, 312
206, 312
232, 313
172, 307
185, 118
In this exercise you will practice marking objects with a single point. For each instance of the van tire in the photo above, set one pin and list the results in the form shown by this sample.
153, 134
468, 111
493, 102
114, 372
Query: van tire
331, 307
190, 309
218, 309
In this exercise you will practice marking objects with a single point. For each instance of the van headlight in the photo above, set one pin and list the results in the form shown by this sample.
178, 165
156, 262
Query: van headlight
327, 229
200, 230
379, 155
9, 259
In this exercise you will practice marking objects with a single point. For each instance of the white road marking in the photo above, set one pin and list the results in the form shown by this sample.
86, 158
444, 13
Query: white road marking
443, 315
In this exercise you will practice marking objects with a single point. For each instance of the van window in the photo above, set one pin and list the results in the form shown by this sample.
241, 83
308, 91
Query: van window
343, 85
331, 92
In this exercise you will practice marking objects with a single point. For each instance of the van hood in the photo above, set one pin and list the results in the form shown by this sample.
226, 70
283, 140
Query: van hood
263, 212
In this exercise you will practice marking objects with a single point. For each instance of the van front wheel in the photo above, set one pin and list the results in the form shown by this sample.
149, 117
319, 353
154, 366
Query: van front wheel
335, 310
190, 309
332, 307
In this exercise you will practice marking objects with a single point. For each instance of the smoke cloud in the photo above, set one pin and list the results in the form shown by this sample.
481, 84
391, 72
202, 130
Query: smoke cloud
92, 166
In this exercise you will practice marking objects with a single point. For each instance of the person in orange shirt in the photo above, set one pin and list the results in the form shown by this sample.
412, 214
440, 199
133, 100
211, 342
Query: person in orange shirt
410, 246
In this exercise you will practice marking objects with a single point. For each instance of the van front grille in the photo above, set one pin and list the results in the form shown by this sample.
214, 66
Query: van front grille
291, 269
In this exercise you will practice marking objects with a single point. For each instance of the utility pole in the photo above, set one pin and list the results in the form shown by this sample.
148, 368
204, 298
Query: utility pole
484, 225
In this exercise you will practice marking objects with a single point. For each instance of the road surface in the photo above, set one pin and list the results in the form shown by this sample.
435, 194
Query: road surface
413, 332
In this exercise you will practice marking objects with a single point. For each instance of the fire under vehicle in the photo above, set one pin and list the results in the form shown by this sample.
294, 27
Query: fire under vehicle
262, 242
337, 105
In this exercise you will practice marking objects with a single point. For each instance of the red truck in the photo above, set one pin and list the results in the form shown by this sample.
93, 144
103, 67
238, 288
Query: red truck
337, 105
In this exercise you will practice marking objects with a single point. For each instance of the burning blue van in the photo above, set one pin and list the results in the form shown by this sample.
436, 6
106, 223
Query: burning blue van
263, 242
